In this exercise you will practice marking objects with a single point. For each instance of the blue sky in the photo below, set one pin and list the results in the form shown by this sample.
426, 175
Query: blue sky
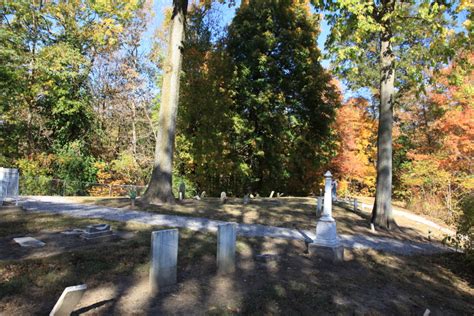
226, 17
227, 14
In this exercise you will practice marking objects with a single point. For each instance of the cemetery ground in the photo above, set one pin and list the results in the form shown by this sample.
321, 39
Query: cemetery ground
273, 276
289, 212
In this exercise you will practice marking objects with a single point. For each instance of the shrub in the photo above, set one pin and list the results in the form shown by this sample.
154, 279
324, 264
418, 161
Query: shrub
35, 175
464, 238
126, 169
75, 167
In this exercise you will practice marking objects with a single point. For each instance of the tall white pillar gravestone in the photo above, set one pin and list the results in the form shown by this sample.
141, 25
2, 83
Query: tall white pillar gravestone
326, 233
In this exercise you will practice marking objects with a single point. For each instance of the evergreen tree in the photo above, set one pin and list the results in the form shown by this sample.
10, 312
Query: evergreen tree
283, 100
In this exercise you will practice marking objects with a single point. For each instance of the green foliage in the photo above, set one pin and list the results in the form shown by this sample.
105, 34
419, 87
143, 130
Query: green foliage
47, 50
256, 106
35, 175
132, 193
126, 168
76, 167
464, 238
191, 188
420, 34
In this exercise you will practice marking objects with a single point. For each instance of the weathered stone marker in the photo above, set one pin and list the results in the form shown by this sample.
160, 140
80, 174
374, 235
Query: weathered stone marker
326, 233
226, 237
203, 194
182, 191
319, 206
68, 300
271, 194
9, 184
164, 259
246, 199
223, 197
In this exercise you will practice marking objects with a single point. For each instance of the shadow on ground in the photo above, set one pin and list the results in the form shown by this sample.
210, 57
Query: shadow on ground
285, 281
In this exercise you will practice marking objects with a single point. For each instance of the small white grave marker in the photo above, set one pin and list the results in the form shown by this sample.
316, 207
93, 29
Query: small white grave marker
9, 184
223, 197
226, 236
164, 259
68, 300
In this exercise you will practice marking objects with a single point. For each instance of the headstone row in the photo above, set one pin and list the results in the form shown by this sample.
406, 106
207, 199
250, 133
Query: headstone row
164, 255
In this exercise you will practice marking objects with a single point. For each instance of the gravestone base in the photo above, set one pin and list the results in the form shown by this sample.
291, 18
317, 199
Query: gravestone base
326, 233
99, 236
336, 254
327, 242
99, 231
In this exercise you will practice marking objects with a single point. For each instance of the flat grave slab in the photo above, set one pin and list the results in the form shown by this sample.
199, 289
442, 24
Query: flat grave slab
29, 242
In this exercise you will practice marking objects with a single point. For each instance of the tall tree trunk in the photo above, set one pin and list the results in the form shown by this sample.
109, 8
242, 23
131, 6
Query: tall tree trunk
382, 212
134, 128
160, 186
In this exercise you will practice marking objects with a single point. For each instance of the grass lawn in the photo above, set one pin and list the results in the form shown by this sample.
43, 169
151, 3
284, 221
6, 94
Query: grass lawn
282, 212
290, 282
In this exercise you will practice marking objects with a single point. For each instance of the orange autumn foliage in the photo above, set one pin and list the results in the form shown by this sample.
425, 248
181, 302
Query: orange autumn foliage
354, 163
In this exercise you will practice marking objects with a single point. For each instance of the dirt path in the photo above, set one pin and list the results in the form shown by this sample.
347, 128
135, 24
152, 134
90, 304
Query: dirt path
59, 205
365, 204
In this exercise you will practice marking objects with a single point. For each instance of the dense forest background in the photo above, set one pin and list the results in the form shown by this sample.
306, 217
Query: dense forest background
258, 112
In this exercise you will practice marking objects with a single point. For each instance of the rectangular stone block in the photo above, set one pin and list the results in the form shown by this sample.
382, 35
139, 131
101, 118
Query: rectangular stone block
335, 254
164, 259
29, 242
68, 300
226, 237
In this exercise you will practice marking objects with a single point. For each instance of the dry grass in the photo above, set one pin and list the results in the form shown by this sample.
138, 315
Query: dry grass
368, 282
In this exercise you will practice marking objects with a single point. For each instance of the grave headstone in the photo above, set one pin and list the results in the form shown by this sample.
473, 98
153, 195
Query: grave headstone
29, 242
68, 300
182, 191
334, 190
164, 259
246, 199
226, 237
203, 194
319, 206
9, 184
271, 194
251, 196
223, 197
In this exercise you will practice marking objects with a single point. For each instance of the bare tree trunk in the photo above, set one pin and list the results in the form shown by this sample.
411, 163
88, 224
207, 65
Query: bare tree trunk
134, 129
382, 212
160, 186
